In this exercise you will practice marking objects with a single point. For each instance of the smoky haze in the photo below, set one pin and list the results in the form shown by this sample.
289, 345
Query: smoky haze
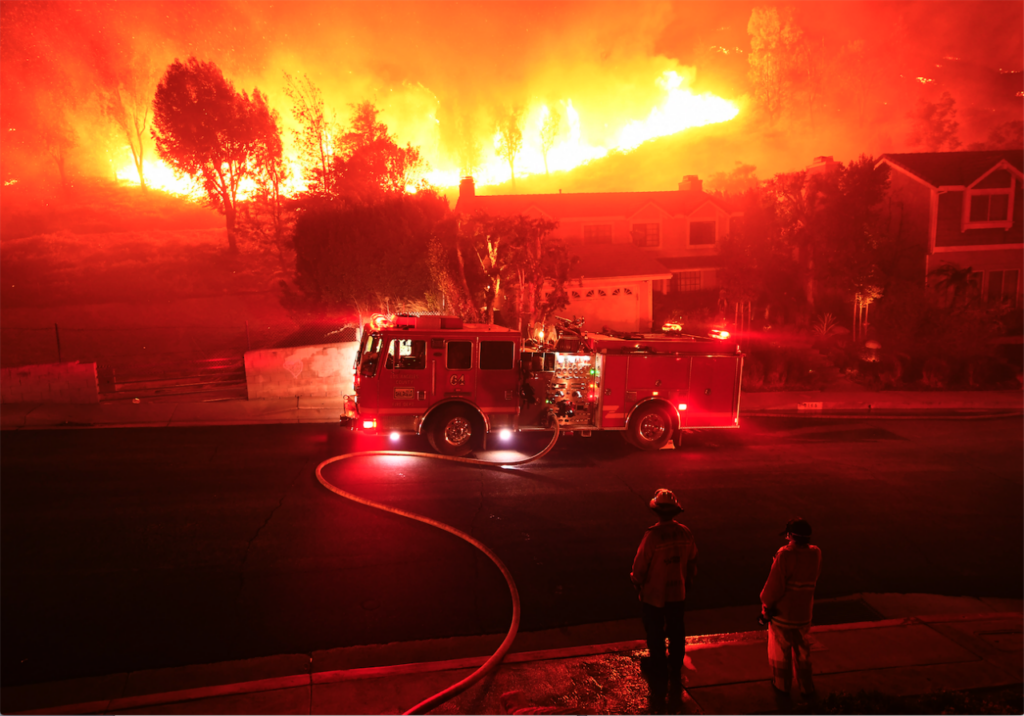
442, 73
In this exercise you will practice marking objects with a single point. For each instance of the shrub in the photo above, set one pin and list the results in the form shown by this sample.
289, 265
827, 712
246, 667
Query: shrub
775, 370
989, 372
753, 373
936, 373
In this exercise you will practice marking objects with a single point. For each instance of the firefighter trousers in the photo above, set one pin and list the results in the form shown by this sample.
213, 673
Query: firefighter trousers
661, 622
788, 647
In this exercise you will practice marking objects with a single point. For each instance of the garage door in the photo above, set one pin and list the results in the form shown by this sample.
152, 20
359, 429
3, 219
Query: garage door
613, 306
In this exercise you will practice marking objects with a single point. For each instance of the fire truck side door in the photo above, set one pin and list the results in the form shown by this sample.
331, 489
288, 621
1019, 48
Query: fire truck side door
456, 370
404, 380
498, 379
613, 392
712, 397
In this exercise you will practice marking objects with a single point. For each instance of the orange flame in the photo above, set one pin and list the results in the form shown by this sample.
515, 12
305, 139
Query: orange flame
680, 109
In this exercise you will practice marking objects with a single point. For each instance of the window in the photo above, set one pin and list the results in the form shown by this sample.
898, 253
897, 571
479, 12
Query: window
597, 234
702, 233
685, 281
988, 204
407, 354
460, 355
1002, 287
368, 363
497, 355
647, 235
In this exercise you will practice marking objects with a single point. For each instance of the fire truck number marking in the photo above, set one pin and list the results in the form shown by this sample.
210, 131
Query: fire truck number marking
457, 379
405, 394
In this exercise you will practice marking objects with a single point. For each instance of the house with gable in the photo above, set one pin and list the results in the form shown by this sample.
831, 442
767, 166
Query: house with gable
965, 209
630, 244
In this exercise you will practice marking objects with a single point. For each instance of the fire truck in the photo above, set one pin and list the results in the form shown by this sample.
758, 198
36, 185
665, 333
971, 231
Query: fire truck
459, 382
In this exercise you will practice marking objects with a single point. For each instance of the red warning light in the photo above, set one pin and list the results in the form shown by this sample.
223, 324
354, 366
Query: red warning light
379, 321
719, 334
369, 424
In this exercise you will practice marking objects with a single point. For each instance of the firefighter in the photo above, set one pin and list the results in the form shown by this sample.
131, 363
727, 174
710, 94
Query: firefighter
787, 601
665, 562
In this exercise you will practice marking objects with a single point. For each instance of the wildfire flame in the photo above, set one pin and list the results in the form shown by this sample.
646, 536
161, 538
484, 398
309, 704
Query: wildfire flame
679, 110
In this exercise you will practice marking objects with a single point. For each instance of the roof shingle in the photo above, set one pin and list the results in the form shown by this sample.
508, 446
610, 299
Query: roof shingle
954, 168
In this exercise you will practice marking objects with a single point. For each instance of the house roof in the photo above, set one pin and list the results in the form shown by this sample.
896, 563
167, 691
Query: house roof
953, 168
621, 205
614, 261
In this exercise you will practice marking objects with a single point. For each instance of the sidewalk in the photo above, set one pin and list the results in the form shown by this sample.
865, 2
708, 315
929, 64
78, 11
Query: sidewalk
922, 644
176, 412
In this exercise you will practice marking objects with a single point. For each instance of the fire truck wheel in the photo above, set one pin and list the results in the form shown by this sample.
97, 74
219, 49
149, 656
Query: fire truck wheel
454, 430
650, 428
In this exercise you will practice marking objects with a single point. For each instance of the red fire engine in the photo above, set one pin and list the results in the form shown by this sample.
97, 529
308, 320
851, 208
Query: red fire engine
458, 382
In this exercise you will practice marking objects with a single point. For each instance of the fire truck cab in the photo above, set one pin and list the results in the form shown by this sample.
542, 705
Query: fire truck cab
458, 382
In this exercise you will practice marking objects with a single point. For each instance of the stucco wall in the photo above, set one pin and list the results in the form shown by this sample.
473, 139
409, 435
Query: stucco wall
50, 383
323, 371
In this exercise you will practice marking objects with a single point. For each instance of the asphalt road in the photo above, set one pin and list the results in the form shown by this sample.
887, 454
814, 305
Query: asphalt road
141, 548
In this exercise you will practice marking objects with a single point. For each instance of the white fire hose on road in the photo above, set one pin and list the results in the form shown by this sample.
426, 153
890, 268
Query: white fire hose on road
495, 660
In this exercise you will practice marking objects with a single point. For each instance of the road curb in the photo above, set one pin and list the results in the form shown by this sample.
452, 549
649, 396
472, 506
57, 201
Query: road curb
695, 643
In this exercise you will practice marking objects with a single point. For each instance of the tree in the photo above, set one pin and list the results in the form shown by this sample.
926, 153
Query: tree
958, 284
536, 272
205, 129
740, 180
266, 213
59, 138
369, 256
314, 139
370, 164
1008, 135
515, 257
548, 133
934, 124
127, 103
510, 138
774, 56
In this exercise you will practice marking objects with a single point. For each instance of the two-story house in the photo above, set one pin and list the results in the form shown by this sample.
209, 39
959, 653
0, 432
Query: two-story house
963, 208
629, 244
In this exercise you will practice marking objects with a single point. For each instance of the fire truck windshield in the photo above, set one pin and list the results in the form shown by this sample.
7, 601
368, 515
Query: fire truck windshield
368, 360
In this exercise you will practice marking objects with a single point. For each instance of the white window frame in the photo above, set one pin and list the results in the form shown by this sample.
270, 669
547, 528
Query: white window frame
689, 237
1005, 224
603, 225
1003, 294
632, 235
677, 280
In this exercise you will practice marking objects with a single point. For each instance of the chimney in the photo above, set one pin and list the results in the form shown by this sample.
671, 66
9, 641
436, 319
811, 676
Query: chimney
467, 188
821, 164
690, 182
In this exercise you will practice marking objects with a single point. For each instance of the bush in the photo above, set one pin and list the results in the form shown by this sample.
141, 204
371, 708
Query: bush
988, 372
753, 373
936, 373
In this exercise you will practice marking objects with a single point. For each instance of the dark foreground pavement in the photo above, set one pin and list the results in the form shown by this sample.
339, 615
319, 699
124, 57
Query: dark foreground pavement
922, 644
919, 643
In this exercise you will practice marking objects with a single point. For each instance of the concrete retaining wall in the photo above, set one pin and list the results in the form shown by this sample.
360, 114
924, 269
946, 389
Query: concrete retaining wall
50, 383
323, 371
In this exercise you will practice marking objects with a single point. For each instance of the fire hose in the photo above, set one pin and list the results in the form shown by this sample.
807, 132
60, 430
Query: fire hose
495, 660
